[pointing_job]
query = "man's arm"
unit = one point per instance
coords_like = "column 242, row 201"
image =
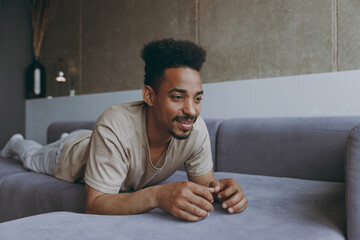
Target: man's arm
column 115, row 204
column 227, row 191
column 185, row 200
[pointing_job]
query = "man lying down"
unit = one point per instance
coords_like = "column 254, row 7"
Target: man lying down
column 136, row 145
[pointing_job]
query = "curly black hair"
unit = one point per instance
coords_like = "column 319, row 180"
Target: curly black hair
column 169, row 53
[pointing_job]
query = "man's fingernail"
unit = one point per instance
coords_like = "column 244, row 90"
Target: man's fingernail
column 231, row 210
column 224, row 205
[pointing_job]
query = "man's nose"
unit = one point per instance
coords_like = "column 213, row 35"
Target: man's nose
column 190, row 108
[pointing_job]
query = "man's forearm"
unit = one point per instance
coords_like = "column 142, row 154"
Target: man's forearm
column 123, row 203
column 204, row 180
column 182, row 199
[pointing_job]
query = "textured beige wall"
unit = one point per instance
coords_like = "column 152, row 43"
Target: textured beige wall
column 101, row 40
column 62, row 41
column 349, row 35
column 259, row 39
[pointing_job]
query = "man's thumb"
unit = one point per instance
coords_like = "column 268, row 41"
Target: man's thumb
column 216, row 185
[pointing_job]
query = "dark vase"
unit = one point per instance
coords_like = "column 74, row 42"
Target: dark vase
column 35, row 80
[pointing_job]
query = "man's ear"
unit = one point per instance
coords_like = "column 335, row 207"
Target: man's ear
column 148, row 95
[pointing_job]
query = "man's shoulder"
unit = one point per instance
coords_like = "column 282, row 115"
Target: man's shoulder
column 125, row 108
column 123, row 111
column 199, row 126
column 123, row 116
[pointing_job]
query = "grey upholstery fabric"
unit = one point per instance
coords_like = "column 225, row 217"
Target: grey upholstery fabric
column 24, row 193
column 213, row 127
column 353, row 184
column 55, row 129
column 307, row 148
column 278, row 208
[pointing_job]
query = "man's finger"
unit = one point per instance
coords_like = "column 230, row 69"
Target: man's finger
column 216, row 185
column 203, row 192
column 202, row 204
column 195, row 210
column 186, row 216
column 233, row 200
column 239, row 207
column 229, row 191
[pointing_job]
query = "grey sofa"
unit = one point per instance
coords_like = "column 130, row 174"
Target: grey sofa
column 301, row 176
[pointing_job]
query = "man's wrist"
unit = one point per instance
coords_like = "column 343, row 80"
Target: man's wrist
column 154, row 198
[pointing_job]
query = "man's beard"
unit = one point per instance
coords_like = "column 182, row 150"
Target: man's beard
column 180, row 137
column 185, row 134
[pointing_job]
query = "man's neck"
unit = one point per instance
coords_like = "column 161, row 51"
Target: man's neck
column 156, row 139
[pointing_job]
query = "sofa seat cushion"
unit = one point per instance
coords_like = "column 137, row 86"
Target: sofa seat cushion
column 9, row 167
column 24, row 193
column 278, row 208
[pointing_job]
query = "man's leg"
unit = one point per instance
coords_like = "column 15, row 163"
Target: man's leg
column 34, row 156
column 7, row 151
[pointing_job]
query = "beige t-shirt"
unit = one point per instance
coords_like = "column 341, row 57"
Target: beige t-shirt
column 118, row 156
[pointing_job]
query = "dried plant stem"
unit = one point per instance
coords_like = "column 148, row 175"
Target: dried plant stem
column 42, row 12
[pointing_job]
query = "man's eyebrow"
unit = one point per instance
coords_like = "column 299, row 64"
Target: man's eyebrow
column 179, row 90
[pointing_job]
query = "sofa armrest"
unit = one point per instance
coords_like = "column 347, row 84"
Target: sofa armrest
column 352, row 181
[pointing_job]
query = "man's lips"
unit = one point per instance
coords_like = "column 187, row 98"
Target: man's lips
column 185, row 123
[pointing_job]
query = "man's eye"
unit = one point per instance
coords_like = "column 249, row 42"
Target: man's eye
column 177, row 97
column 199, row 99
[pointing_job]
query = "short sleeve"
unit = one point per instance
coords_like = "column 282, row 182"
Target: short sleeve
column 107, row 164
column 200, row 161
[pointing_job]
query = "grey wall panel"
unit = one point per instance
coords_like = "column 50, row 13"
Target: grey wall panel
column 325, row 94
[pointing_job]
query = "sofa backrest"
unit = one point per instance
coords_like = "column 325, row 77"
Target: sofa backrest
column 307, row 147
column 213, row 126
column 55, row 129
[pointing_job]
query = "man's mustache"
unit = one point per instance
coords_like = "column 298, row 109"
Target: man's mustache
column 186, row 117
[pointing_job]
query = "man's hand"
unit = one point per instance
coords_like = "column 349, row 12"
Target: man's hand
column 230, row 194
column 186, row 200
